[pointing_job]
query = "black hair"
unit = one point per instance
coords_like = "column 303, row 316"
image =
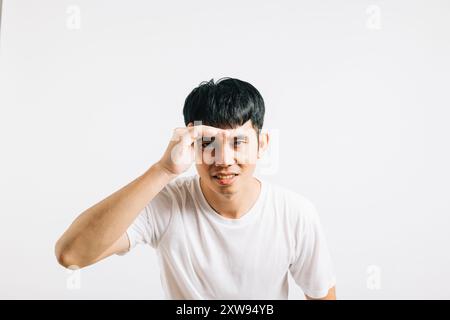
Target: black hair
column 227, row 103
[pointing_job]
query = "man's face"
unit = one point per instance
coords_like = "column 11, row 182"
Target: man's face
column 227, row 161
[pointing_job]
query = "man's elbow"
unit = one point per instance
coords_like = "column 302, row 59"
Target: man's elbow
column 67, row 258
column 67, row 261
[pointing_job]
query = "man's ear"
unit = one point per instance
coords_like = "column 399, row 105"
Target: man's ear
column 263, row 143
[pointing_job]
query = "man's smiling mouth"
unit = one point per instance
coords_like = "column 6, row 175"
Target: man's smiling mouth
column 225, row 179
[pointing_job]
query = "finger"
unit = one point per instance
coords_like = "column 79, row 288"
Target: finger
column 208, row 131
column 177, row 134
column 187, row 138
column 194, row 133
column 239, row 131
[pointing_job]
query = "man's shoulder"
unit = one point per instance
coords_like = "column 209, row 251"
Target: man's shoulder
column 182, row 184
column 287, row 193
column 293, row 202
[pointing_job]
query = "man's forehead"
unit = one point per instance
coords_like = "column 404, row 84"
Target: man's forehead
column 243, row 130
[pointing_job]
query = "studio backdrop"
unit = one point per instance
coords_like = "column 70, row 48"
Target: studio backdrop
column 357, row 105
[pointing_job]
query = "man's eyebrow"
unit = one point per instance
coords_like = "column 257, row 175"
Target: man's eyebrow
column 241, row 136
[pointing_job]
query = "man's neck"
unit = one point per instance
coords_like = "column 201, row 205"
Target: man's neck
column 235, row 205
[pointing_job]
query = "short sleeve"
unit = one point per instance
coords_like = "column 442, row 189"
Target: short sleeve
column 152, row 222
column 312, row 267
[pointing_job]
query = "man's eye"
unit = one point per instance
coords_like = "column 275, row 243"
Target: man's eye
column 205, row 144
column 239, row 142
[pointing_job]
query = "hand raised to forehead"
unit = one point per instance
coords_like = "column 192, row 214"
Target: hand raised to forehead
column 180, row 154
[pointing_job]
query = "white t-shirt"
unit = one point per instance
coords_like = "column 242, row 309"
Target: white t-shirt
column 204, row 255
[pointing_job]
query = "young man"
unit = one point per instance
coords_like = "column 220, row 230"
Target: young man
column 221, row 234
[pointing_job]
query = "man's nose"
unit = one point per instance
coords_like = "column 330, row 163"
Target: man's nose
column 224, row 155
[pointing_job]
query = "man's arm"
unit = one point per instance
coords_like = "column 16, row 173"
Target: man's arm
column 100, row 230
column 330, row 296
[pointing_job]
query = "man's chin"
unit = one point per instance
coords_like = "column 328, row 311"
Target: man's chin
column 224, row 189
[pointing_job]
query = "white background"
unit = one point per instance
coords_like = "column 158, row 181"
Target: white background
column 357, row 90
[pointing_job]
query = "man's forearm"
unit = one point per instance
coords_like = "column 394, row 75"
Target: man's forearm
column 97, row 228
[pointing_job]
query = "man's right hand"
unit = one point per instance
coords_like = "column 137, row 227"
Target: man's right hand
column 180, row 153
column 100, row 230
